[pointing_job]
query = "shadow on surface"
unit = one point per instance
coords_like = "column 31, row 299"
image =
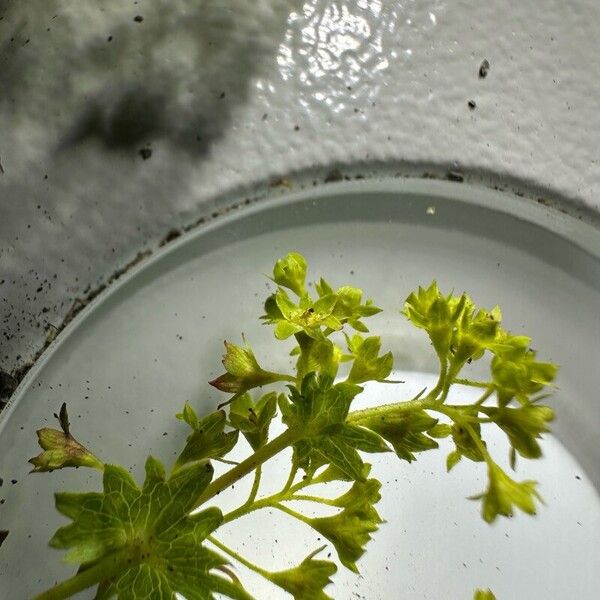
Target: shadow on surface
column 171, row 70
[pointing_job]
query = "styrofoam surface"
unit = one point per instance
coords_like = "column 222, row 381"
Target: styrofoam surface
column 227, row 93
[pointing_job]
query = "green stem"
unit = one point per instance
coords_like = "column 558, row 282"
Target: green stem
column 110, row 566
column 292, row 513
column 366, row 414
column 287, row 438
column 255, row 485
column 471, row 383
column 237, row 556
column 308, row 498
column 290, row 479
column 485, row 396
column 283, row 377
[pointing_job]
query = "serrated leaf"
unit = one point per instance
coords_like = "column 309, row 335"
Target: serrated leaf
column 363, row 439
column 308, row 580
column 208, row 440
column 405, row 431
column 151, row 528
column 339, row 453
column 503, row 493
column 318, row 410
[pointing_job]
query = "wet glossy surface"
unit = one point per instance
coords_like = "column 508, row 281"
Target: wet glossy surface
column 221, row 94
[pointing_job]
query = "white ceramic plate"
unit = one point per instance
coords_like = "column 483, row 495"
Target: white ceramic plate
column 126, row 365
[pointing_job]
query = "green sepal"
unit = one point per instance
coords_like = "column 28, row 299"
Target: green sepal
column 242, row 371
column 317, row 356
column 308, row 580
column 465, row 444
column 350, row 530
column 503, row 493
column 406, row 431
column 452, row 460
column 523, row 426
column 368, row 365
column 253, row 419
column 290, row 272
column 61, row 450
column 208, row 438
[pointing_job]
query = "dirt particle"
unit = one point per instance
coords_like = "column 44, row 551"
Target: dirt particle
column 455, row 176
column 333, row 176
column 109, row 38
column 138, row 18
column 296, row 127
column 471, row 104
column 173, row 234
column 145, row 153
column 484, row 68
column 3, row 535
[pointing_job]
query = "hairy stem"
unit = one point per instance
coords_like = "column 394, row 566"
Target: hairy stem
column 292, row 513
column 275, row 446
column 237, row 556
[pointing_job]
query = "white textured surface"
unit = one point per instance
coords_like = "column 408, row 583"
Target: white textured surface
column 305, row 85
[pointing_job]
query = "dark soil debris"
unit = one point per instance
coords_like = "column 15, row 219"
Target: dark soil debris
column 172, row 235
column 484, row 68
column 333, row 176
column 455, row 176
column 471, row 104
column 145, row 153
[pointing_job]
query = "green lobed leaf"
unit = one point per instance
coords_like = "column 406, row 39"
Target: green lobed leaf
column 152, row 526
column 208, row 439
column 319, row 410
